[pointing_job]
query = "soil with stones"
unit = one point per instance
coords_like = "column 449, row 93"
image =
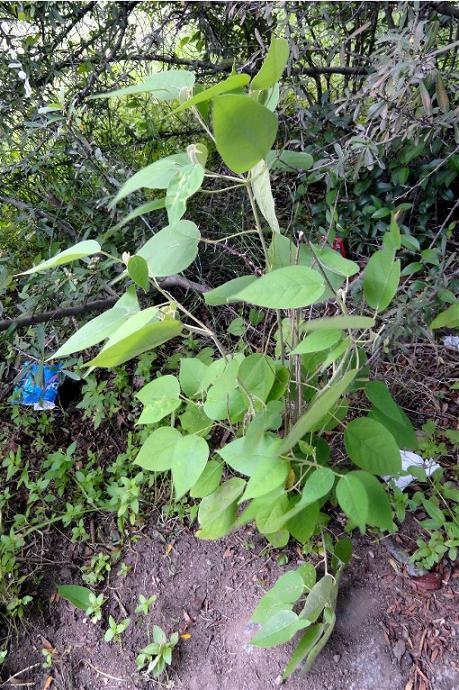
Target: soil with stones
column 393, row 632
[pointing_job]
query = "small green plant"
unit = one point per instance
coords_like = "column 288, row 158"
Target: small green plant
column 145, row 604
column 156, row 656
column 3, row 655
column 48, row 657
column 97, row 570
column 115, row 630
column 94, row 610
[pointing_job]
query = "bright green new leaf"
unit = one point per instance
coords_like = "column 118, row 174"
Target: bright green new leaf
column 273, row 65
column 79, row 251
column 102, row 326
column 380, row 279
column 287, row 589
column 353, row 499
column 448, row 318
column 317, row 410
column 290, row 287
column 208, row 481
column 261, row 187
column 137, row 269
column 172, row 249
column 342, row 322
column 372, row 447
column 316, row 342
column 289, row 161
column 186, row 182
column 224, row 294
column 244, row 131
column 160, row 397
column 164, row 86
column 192, row 376
column 76, row 595
column 379, row 510
column 232, row 83
column 132, row 339
column 157, row 175
column 186, row 456
column 278, row 629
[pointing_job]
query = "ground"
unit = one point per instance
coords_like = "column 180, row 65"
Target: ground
column 392, row 632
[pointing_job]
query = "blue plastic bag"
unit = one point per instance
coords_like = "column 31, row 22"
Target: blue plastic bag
column 39, row 387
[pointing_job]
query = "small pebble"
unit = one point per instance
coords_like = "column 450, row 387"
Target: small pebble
column 337, row 658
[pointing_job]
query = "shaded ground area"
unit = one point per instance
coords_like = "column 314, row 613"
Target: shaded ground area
column 391, row 634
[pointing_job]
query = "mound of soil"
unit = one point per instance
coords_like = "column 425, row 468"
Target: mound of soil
column 390, row 634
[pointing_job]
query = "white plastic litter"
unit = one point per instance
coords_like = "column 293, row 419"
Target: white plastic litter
column 451, row 341
column 408, row 460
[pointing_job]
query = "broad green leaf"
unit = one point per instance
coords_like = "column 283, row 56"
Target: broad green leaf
column 194, row 420
column 191, row 376
column 334, row 262
column 160, row 397
column 372, row 447
column 343, row 550
column 302, row 525
column 256, row 376
column 139, row 211
column 342, row 322
column 76, row 595
column 289, row 161
column 79, row 251
column 448, row 318
column 102, row 326
column 270, row 417
column 380, row 279
column 208, row 481
column 316, row 342
column 278, row 629
column 261, row 187
column 137, row 269
column 317, row 410
column 379, row 510
column 388, row 413
column 186, row 182
column 323, row 594
column 302, row 649
column 308, row 574
column 224, row 294
column 246, row 458
column 244, row 131
column 270, row 473
column 157, row 175
column 285, row 288
column 326, row 631
column 164, row 86
column 186, row 456
column 129, row 341
column 353, row 499
column 273, row 65
column 217, row 512
column 224, row 400
column 172, row 249
column 232, row 83
column 381, row 213
column 287, row 589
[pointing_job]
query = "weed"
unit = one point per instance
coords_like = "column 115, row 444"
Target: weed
column 115, row 630
column 157, row 655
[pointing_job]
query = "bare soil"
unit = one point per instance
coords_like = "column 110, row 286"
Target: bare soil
column 390, row 635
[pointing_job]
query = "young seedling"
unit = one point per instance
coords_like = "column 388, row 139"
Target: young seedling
column 157, row 655
column 94, row 609
column 115, row 629
column 145, row 604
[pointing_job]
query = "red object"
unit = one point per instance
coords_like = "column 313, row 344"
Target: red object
column 337, row 245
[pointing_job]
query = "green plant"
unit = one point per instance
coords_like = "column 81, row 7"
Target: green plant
column 97, row 570
column 157, row 655
column 145, row 604
column 273, row 401
column 115, row 630
column 94, row 610
column 48, row 657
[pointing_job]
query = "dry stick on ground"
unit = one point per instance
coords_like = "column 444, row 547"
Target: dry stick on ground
column 97, row 305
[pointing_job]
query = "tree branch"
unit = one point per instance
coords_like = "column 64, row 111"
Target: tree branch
column 446, row 8
column 23, row 206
